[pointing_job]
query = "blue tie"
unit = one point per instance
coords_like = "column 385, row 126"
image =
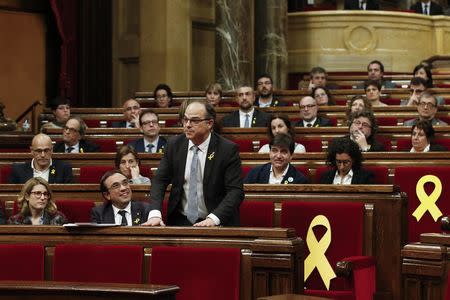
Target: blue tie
column 192, row 203
column 247, row 121
column 149, row 148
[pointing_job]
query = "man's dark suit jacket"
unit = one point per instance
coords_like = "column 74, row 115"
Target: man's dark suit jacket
column 354, row 5
column 104, row 214
column 360, row 176
column 119, row 124
column 275, row 102
column 60, row 172
column 260, row 119
column 437, row 147
column 435, row 9
column 138, row 145
column 320, row 122
column 85, row 146
column 222, row 182
column 261, row 174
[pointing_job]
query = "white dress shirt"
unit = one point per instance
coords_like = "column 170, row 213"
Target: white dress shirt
column 305, row 123
column 346, row 180
column 363, row 3
column 428, row 6
column 76, row 148
column 118, row 217
column 43, row 174
column 154, row 143
column 427, row 149
column 273, row 179
column 242, row 118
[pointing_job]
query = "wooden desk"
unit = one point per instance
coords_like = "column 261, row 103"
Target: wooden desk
column 43, row 290
column 271, row 258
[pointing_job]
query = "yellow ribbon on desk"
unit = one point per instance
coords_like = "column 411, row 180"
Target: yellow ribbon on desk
column 317, row 249
column 428, row 202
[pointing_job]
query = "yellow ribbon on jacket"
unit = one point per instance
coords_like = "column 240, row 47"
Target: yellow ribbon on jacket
column 428, row 202
column 317, row 249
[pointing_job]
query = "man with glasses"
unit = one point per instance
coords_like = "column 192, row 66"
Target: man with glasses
column 42, row 165
column 264, row 87
column 363, row 129
column 118, row 208
column 204, row 170
column 151, row 142
column 308, row 114
column 427, row 109
column 72, row 138
column 417, row 87
column 131, row 111
column 247, row 116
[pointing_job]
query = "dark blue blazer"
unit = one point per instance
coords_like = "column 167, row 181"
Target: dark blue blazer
column 261, row 174
column 60, row 172
column 320, row 122
column 60, row 147
column 104, row 214
column 354, row 5
column 138, row 145
column 360, row 176
column 260, row 119
column 119, row 124
column 275, row 102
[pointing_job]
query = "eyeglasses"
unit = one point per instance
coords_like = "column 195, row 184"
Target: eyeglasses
column 193, row 121
column 363, row 124
column 161, row 97
column 70, row 129
column 343, row 162
column 130, row 108
column 425, row 104
column 39, row 194
column 150, row 122
column 117, row 185
column 416, row 91
column 309, row 106
column 39, row 151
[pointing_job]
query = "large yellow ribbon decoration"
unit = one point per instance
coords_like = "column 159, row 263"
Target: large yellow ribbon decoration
column 317, row 249
column 428, row 202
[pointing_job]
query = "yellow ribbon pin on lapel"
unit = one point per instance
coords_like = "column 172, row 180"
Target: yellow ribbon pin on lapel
column 428, row 202
column 317, row 249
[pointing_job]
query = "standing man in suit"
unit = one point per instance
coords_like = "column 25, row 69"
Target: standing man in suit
column 247, row 116
column 427, row 7
column 151, row 142
column 73, row 142
column 131, row 111
column 264, row 87
column 205, row 172
column 308, row 114
column 361, row 5
column 118, row 209
column 42, row 165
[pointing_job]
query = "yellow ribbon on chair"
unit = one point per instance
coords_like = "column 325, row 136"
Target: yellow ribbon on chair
column 317, row 249
column 428, row 202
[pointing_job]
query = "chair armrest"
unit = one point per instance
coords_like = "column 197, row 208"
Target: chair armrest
column 346, row 266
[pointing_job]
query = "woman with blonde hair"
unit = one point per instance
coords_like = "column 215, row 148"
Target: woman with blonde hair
column 36, row 205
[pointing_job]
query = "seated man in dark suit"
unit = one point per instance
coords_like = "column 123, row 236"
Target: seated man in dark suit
column 427, row 109
column 151, row 142
column 131, row 111
column 361, row 5
column 118, row 208
column 247, row 116
column 427, row 7
column 308, row 114
column 73, row 141
column 346, row 160
column 42, row 165
column 264, row 87
column 279, row 170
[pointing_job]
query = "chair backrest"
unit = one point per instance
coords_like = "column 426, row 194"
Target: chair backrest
column 201, row 273
column 345, row 240
column 76, row 210
column 387, row 121
column 245, row 170
column 404, row 145
column 5, row 173
column 21, row 262
column 412, row 181
column 98, row 263
column 93, row 174
column 311, row 145
column 256, row 213
column 106, row 145
column 244, row 145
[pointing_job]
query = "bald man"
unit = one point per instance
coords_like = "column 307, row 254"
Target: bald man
column 42, row 165
column 308, row 114
column 131, row 111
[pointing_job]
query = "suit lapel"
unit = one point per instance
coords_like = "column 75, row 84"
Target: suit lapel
column 210, row 159
column 181, row 155
column 108, row 214
column 136, row 218
column 52, row 174
column 255, row 115
column 140, row 145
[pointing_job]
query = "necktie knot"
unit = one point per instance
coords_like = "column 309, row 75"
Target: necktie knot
column 309, row 125
column 150, row 147
column 123, row 213
column 70, row 149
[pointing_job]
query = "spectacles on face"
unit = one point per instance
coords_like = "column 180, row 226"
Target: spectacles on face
column 343, row 162
column 70, row 129
column 150, row 122
column 363, row 124
column 417, row 91
column 160, row 97
column 117, row 185
column 39, row 151
column 39, row 194
column 193, row 121
column 427, row 104
column 308, row 106
column 130, row 108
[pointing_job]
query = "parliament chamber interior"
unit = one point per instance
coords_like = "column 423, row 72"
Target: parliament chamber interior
column 84, row 82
